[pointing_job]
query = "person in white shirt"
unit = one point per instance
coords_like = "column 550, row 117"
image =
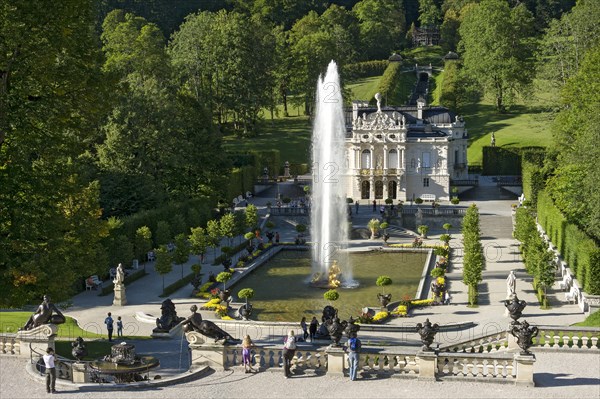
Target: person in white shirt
column 50, row 370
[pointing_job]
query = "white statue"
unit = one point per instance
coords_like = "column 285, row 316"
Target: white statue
column 511, row 284
column 119, row 275
column 378, row 98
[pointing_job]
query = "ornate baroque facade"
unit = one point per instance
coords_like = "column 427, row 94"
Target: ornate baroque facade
column 404, row 152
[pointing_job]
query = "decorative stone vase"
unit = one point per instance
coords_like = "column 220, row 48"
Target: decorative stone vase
column 384, row 299
column 336, row 329
column 224, row 295
column 515, row 307
column 427, row 332
column 524, row 334
column 79, row 350
column 245, row 311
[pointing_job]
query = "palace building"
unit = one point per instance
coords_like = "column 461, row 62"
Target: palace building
column 404, row 153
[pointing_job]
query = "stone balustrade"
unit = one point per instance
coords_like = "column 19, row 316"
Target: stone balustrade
column 567, row 338
column 474, row 365
column 486, row 343
column 9, row 345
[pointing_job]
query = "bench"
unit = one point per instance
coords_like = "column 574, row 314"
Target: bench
column 92, row 282
column 428, row 197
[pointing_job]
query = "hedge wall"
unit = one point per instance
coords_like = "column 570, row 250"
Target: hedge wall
column 532, row 161
column 577, row 248
column 364, row 69
column 501, row 161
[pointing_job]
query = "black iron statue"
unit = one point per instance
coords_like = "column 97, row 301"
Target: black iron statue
column 245, row 311
column 336, row 328
column 438, row 290
column 205, row 327
column 352, row 328
column 168, row 318
column 79, row 350
column 515, row 307
column 46, row 313
column 524, row 334
column 427, row 332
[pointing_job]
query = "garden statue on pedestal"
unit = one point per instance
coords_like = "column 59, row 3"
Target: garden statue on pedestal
column 511, row 284
column 168, row 318
column 194, row 323
column 336, row 328
column 79, row 350
column 119, row 287
column 46, row 313
column 427, row 332
column 352, row 328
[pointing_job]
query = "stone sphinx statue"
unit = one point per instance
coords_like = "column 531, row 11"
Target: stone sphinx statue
column 168, row 318
column 46, row 313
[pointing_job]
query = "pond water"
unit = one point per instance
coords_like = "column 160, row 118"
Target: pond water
column 282, row 292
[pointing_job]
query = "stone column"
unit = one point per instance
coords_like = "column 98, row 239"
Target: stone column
column 525, row 370
column 385, row 157
column 427, row 362
column 336, row 362
column 120, row 298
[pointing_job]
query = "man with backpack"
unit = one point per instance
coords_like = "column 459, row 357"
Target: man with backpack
column 109, row 326
column 289, row 350
column 353, row 348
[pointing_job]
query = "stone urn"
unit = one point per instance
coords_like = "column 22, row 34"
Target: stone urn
column 515, row 307
column 336, row 329
column 427, row 332
column 524, row 334
column 245, row 311
column 224, row 295
column 384, row 300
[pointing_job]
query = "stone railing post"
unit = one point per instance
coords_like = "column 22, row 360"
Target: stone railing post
column 335, row 361
column 35, row 341
column 427, row 362
column 206, row 354
column 80, row 375
column 525, row 370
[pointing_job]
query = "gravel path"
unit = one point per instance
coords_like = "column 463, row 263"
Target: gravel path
column 558, row 375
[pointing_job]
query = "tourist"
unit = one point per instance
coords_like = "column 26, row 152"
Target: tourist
column 447, row 298
column 109, row 326
column 304, row 328
column 119, row 327
column 289, row 350
column 50, row 370
column 356, row 207
column 314, row 325
column 276, row 237
column 374, row 206
column 247, row 344
column 382, row 210
column 353, row 349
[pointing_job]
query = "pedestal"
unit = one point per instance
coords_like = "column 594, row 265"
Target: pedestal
column 335, row 361
column 120, row 298
column 525, row 370
column 79, row 373
column 211, row 355
column 34, row 342
column 427, row 362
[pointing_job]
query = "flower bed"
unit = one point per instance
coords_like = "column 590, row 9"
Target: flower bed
column 380, row 317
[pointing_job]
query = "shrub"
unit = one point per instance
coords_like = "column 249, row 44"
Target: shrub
column 349, row 200
column 224, row 277
column 437, row 272
column 246, row 293
column 331, row 295
column 455, row 201
column 169, row 289
column 300, row 228
column 418, row 201
column 423, row 229
column 382, row 281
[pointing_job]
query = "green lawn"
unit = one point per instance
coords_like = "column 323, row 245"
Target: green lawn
column 592, row 320
column 11, row 321
column 424, row 56
column 364, row 89
column 522, row 126
column 96, row 349
column 291, row 136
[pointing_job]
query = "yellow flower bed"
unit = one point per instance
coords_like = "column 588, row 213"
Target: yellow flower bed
column 401, row 310
column 441, row 280
column 213, row 304
column 379, row 316
column 421, row 302
column 226, row 318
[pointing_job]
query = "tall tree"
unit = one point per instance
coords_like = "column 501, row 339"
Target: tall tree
column 51, row 99
column 429, row 13
column 382, row 27
column 496, row 48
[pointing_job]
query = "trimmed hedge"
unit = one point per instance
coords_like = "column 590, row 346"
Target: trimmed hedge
column 364, row 69
column 577, row 248
column 532, row 161
column 507, row 160
column 128, row 280
column 169, row 289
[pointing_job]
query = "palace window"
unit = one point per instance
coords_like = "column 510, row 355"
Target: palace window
column 426, row 182
column 426, row 160
column 365, row 159
column 393, row 159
